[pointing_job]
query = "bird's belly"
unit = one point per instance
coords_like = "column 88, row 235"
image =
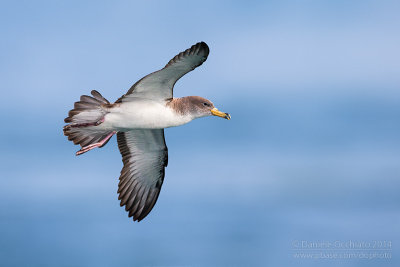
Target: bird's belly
column 143, row 116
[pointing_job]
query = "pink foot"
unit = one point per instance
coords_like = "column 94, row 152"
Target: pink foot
column 98, row 144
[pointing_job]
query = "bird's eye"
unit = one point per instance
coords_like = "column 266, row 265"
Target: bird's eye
column 206, row 104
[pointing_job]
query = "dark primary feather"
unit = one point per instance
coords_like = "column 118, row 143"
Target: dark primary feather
column 145, row 157
column 159, row 85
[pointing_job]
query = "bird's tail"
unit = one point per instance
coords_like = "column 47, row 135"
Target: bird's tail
column 83, row 120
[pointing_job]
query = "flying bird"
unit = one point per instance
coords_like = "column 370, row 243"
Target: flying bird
column 138, row 118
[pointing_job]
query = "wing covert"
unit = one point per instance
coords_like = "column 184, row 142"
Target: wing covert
column 159, row 85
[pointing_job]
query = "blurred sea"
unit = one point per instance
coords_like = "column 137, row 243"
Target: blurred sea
column 236, row 193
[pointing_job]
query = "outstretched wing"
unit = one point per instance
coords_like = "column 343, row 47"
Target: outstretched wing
column 159, row 85
column 145, row 157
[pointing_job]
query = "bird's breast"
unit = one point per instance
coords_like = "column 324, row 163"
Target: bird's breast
column 144, row 115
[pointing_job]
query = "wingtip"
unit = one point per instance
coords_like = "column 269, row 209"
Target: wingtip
column 136, row 218
column 204, row 46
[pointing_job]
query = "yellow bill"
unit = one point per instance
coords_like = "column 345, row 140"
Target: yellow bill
column 221, row 114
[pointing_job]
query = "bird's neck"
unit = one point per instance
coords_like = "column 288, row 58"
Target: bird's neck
column 181, row 105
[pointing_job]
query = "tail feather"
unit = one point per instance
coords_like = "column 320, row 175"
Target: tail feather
column 83, row 119
column 87, row 103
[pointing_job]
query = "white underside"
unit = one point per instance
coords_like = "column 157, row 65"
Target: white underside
column 142, row 114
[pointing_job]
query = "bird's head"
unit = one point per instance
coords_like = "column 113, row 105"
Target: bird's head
column 201, row 107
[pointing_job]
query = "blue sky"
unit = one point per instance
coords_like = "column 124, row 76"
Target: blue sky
column 311, row 152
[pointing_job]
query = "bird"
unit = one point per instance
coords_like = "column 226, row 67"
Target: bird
column 138, row 119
